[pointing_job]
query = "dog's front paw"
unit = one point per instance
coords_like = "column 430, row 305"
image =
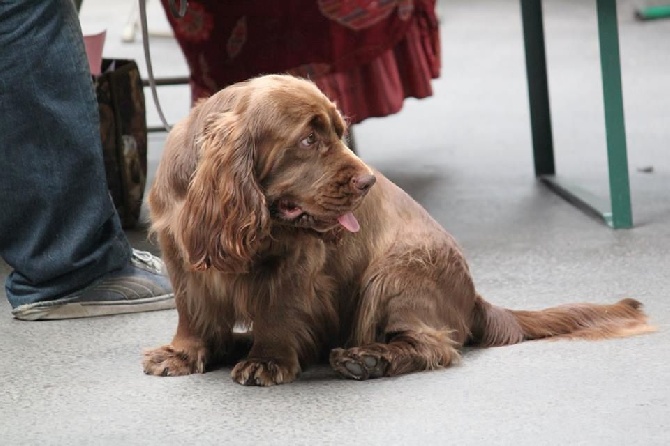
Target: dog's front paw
column 170, row 361
column 263, row 372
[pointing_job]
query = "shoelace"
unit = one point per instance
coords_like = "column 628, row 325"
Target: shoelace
column 144, row 259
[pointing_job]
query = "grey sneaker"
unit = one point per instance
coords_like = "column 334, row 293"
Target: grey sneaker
column 139, row 286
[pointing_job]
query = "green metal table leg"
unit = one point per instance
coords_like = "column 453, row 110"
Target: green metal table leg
column 538, row 90
column 614, row 117
column 617, row 213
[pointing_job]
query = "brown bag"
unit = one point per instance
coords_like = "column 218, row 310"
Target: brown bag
column 123, row 129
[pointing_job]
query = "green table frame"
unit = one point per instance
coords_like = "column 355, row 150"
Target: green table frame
column 617, row 212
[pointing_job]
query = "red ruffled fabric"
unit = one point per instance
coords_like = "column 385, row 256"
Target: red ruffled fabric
column 368, row 56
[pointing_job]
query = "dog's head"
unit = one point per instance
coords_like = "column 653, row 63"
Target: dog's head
column 270, row 152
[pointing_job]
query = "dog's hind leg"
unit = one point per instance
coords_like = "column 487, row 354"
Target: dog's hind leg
column 405, row 352
column 412, row 317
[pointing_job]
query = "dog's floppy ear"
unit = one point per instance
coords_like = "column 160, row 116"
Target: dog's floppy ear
column 225, row 217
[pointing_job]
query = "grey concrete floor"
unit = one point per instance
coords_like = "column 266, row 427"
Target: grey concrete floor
column 465, row 154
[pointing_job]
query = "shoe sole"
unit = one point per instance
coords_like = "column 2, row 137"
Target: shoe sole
column 77, row 310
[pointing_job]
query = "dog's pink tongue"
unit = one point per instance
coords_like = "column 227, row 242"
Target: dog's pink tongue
column 349, row 222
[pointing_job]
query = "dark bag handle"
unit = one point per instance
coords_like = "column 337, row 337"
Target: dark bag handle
column 181, row 12
column 178, row 13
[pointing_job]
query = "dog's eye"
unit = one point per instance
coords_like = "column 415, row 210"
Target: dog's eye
column 309, row 141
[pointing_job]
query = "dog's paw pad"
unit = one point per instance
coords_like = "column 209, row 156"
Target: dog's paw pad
column 354, row 367
column 370, row 361
column 358, row 363
column 167, row 361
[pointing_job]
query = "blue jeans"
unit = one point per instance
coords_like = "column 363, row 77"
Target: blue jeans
column 59, row 230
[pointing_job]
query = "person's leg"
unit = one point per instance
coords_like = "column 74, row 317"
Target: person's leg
column 58, row 227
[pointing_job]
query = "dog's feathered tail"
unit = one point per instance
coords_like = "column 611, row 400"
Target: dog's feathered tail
column 495, row 326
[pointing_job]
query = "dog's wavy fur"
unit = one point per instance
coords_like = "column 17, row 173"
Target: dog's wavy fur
column 252, row 206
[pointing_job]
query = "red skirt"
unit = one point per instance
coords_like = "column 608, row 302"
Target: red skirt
column 367, row 56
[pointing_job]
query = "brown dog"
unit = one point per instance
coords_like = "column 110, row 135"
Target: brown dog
column 265, row 218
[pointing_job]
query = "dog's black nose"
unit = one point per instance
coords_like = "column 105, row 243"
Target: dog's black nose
column 363, row 182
